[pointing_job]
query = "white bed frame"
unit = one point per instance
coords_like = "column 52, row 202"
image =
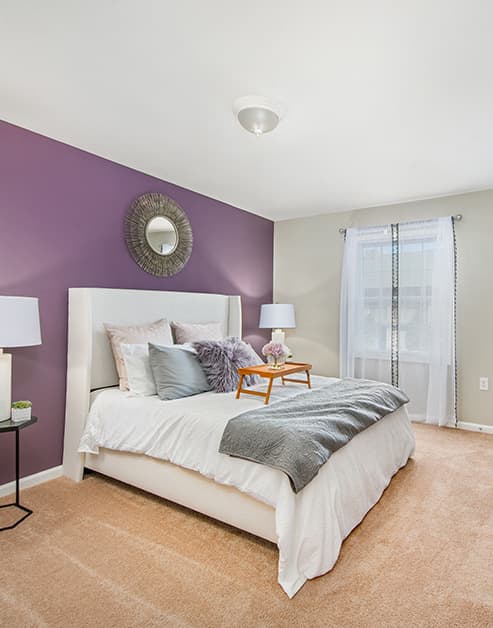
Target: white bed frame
column 90, row 366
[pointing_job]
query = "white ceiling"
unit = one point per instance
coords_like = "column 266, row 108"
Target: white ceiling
column 386, row 100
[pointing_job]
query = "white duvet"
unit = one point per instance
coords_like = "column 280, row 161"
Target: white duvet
column 310, row 525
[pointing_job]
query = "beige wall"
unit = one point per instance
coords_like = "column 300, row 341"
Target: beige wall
column 307, row 266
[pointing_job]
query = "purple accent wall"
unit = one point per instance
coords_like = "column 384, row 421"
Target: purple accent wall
column 61, row 226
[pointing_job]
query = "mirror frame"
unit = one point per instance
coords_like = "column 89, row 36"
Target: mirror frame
column 142, row 210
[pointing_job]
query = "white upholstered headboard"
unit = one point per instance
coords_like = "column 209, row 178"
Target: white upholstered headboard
column 90, row 362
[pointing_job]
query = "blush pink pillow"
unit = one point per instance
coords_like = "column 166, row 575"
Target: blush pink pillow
column 158, row 332
column 194, row 332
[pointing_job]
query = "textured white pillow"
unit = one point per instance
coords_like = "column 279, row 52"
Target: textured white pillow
column 194, row 332
column 139, row 374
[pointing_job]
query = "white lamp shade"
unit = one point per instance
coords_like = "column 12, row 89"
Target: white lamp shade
column 277, row 316
column 19, row 322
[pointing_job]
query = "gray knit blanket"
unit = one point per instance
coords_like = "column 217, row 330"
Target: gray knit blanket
column 298, row 435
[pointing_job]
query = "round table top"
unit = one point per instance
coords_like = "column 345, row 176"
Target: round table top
column 12, row 426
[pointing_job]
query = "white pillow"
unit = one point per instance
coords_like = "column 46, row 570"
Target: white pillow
column 139, row 374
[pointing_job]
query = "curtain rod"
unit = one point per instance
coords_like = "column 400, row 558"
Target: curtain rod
column 456, row 218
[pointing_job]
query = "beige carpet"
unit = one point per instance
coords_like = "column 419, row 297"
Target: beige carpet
column 102, row 554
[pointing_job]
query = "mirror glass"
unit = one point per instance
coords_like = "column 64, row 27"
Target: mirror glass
column 161, row 235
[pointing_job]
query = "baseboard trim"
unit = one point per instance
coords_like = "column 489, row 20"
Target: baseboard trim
column 32, row 480
column 475, row 427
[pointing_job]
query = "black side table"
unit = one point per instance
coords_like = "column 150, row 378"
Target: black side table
column 11, row 426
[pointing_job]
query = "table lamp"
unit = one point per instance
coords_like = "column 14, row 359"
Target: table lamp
column 277, row 316
column 19, row 327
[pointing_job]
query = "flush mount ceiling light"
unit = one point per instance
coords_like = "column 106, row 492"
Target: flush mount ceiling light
column 256, row 114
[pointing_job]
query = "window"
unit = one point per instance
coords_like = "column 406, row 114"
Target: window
column 419, row 356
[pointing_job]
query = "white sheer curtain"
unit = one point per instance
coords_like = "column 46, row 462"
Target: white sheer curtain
column 366, row 299
column 422, row 353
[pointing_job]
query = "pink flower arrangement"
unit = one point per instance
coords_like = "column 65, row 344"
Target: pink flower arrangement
column 276, row 350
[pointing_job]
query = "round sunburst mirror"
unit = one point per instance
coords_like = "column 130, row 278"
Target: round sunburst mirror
column 158, row 234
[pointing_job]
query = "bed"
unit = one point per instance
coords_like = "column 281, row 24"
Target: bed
column 186, row 468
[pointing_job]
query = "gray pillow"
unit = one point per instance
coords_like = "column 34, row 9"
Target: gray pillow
column 221, row 359
column 176, row 372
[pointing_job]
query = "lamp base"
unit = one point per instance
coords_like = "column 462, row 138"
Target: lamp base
column 278, row 336
column 5, row 385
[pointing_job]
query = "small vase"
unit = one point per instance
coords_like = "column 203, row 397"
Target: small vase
column 275, row 363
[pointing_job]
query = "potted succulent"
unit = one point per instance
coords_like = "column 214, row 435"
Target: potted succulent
column 21, row 410
column 276, row 354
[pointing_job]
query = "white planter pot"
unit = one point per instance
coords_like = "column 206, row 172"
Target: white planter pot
column 20, row 414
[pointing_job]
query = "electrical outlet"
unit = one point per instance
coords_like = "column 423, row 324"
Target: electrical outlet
column 483, row 383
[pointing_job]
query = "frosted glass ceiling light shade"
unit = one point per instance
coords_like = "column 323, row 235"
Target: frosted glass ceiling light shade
column 256, row 114
column 258, row 120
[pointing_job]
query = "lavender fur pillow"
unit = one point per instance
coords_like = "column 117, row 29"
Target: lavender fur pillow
column 221, row 359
